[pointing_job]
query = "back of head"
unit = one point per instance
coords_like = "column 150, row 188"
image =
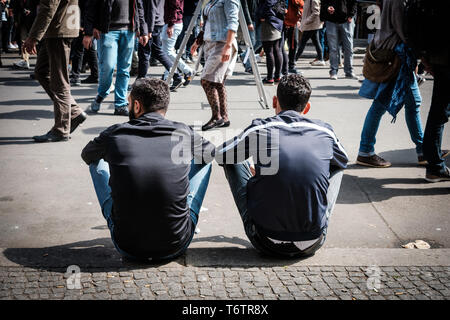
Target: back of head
column 152, row 93
column 293, row 92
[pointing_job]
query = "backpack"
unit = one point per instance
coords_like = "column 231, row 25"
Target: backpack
column 424, row 21
column 280, row 9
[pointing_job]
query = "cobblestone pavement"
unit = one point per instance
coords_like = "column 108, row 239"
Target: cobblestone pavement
column 299, row 283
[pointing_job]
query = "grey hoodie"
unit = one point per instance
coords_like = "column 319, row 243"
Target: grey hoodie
column 154, row 13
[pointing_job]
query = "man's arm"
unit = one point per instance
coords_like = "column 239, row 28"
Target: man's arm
column 151, row 14
column 96, row 149
column 143, row 29
column 47, row 10
column 90, row 16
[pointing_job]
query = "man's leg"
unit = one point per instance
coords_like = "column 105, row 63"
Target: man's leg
column 100, row 178
column 346, row 31
column 144, row 57
column 370, row 128
column 77, row 57
column 159, row 54
column 413, row 101
column 168, row 46
column 437, row 117
column 107, row 53
column 333, row 45
column 124, row 57
column 332, row 194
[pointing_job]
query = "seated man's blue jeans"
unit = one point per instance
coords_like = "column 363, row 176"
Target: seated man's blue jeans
column 198, row 183
column 373, row 118
column 115, row 48
column 238, row 176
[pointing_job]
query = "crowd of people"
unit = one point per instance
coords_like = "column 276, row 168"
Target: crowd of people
column 132, row 164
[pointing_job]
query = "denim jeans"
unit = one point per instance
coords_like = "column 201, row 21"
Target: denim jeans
column 198, row 183
column 373, row 118
column 314, row 36
column 340, row 33
column 168, row 46
column 115, row 48
column 437, row 117
column 238, row 176
column 248, row 64
column 153, row 47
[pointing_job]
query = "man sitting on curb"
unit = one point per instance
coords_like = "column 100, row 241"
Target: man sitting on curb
column 285, row 202
column 150, row 192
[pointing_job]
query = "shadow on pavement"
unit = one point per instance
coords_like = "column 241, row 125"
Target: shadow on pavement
column 16, row 140
column 27, row 114
column 100, row 255
column 220, row 238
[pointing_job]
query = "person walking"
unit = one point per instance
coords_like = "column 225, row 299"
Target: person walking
column 55, row 26
column 154, row 15
column 401, row 90
column 79, row 54
column 221, row 22
column 339, row 21
column 271, row 21
column 291, row 24
column 173, row 19
column 310, row 27
column 114, row 24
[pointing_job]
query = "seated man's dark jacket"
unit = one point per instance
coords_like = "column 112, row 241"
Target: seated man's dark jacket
column 149, row 191
column 287, row 201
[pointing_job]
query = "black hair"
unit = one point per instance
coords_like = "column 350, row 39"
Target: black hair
column 152, row 93
column 293, row 92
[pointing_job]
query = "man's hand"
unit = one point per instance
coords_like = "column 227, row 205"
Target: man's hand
column 349, row 19
column 87, row 42
column 331, row 10
column 194, row 48
column 30, row 46
column 252, row 170
column 226, row 53
column 170, row 31
column 251, row 27
column 96, row 33
column 149, row 35
column 143, row 40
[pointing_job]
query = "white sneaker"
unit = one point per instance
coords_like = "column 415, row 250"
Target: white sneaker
column 15, row 46
column 318, row 63
column 333, row 76
column 22, row 64
column 11, row 46
column 258, row 58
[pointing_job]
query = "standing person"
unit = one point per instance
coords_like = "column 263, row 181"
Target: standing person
column 286, row 201
column 3, row 21
column 24, row 15
column 436, row 59
column 79, row 53
column 339, row 21
column 249, row 8
column 150, row 200
column 114, row 24
column 291, row 23
column 154, row 15
column 401, row 90
column 173, row 19
column 271, row 28
column 188, row 13
column 55, row 26
column 221, row 22
column 310, row 27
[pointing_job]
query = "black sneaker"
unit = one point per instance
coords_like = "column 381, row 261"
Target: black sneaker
column 187, row 79
column 89, row 79
column 373, row 161
column 50, row 137
column 121, row 111
column 77, row 121
column 439, row 176
column 422, row 162
column 176, row 84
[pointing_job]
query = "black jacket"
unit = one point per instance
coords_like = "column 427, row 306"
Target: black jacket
column 343, row 9
column 149, row 188
column 250, row 7
column 98, row 16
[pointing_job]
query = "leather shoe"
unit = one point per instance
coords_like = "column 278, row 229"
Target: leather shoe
column 213, row 123
column 50, row 137
column 77, row 121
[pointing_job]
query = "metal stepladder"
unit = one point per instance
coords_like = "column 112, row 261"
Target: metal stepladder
column 248, row 43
